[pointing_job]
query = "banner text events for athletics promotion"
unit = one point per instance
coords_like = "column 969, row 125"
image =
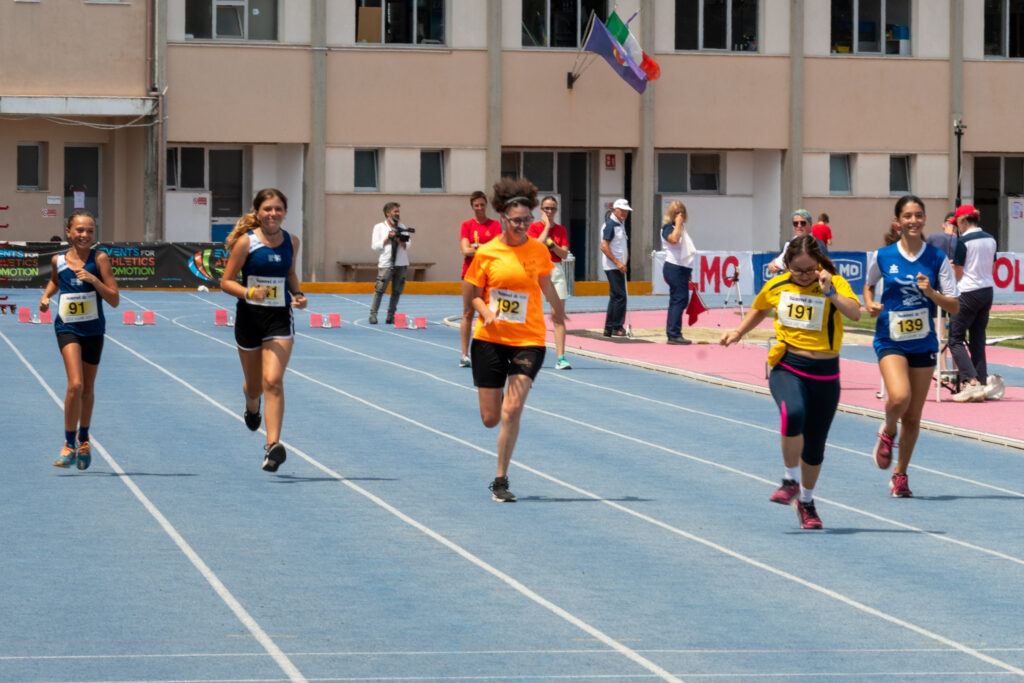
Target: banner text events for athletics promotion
column 135, row 264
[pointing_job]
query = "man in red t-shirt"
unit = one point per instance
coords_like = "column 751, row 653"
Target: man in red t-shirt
column 556, row 238
column 821, row 229
column 476, row 231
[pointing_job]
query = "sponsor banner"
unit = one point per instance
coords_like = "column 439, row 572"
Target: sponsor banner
column 714, row 272
column 1008, row 275
column 135, row 264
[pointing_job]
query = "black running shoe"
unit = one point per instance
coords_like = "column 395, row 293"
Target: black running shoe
column 252, row 420
column 275, row 456
column 500, row 492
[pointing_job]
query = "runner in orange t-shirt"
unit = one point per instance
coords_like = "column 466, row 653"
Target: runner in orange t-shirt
column 476, row 231
column 503, row 285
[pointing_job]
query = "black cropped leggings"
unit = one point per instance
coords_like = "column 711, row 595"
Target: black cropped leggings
column 807, row 393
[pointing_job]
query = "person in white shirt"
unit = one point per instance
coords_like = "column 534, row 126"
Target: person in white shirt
column 973, row 261
column 614, row 256
column 391, row 239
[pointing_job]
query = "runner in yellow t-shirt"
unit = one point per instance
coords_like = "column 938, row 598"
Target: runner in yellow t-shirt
column 808, row 299
column 504, row 284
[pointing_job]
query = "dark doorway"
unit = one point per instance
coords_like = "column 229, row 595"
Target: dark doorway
column 987, row 192
column 573, row 186
column 82, row 176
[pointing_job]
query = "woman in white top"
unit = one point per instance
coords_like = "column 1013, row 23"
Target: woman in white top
column 677, row 269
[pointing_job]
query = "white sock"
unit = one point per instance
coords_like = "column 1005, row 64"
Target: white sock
column 793, row 473
column 806, row 495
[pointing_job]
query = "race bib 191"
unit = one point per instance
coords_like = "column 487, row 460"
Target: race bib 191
column 802, row 311
column 908, row 325
column 509, row 306
column 275, row 295
column 78, row 307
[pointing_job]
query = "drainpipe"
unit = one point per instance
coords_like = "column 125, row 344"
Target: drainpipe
column 793, row 164
column 315, row 162
column 494, row 49
column 155, row 157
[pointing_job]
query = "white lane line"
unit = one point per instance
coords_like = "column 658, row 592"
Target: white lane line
column 675, row 452
column 218, row 586
column 497, row 573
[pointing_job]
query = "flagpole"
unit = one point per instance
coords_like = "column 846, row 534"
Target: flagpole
column 574, row 75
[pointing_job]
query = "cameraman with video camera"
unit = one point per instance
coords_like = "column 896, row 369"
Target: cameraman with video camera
column 391, row 239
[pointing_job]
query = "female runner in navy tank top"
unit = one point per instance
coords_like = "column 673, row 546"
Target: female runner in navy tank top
column 84, row 279
column 263, row 253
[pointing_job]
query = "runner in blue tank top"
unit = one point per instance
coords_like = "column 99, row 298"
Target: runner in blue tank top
column 905, row 340
column 264, row 254
column 84, row 279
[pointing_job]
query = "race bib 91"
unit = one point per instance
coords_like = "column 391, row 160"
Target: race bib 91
column 802, row 311
column 509, row 306
column 275, row 297
column 908, row 325
column 78, row 307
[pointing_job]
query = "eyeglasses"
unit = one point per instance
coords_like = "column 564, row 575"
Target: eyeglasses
column 549, row 208
column 799, row 222
column 519, row 222
column 806, row 271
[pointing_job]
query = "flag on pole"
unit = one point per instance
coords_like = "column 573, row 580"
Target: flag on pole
column 601, row 42
column 622, row 34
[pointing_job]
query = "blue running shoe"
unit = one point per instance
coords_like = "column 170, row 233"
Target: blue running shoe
column 68, row 456
column 84, row 455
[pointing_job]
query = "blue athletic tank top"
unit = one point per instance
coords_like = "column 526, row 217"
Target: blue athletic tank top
column 266, row 265
column 79, row 305
column 908, row 320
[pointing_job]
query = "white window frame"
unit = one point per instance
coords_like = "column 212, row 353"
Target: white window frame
column 1004, row 38
column 174, row 184
column 40, row 184
column 246, row 12
column 580, row 27
column 442, row 157
column 689, row 154
column 376, row 172
column 908, row 165
column 848, row 158
column 728, row 29
column 882, row 21
column 415, row 23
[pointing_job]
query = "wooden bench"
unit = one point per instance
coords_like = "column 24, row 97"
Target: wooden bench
column 367, row 272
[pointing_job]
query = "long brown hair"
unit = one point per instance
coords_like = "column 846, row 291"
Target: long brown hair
column 249, row 221
column 808, row 244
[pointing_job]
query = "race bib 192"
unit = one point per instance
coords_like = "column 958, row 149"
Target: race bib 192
column 509, row 306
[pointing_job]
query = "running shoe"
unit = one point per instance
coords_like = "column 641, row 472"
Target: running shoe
column 679, row 340
column 970, row 393
column 562, row 364
column 68, row 456
column 390, row 319
column 994, row 388
column 275, row 456
column 787, row 493
column 899, row 487
column 373, row 318
column 465, row 362
column 252, row 420
column 808, row 515
column 500, row 492
column 84, row 455
column 883, row 449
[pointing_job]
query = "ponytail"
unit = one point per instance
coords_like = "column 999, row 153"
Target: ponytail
column 246, row 223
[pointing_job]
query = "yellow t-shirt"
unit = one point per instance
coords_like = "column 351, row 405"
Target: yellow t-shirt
column 804, row 317
column 508, row 276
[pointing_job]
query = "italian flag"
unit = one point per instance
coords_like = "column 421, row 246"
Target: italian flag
column 621, row 33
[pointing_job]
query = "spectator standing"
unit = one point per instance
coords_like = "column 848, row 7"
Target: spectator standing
column 821, row 230
column 391, row 239
column 476, row 231
column 677, row 270
column 614, row 257
column 556, row 238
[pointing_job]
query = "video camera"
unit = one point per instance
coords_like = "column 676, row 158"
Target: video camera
column 401, row 232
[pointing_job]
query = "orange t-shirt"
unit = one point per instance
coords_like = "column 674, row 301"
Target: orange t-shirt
column 508, row 276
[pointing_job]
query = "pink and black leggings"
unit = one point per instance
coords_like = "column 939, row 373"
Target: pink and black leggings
column 807, row 393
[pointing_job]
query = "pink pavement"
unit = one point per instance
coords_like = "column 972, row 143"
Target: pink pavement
column 1000, row 421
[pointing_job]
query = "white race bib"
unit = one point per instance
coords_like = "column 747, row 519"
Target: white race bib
column 802, row 311
column 509, row 306
column 78, row 307
column 908, row 325
column 275, row 297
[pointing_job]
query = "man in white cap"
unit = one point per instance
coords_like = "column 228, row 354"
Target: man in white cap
column 614, row 256
column 973, row 262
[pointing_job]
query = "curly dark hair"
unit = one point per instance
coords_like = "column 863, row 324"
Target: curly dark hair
column 511, row 191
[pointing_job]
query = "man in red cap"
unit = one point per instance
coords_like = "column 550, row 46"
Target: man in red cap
column 972, row 264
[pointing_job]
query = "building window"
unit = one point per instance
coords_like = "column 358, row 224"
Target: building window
column 432, row 171
column 899, row 175
column 538, row 167
column 1004, row 28
column 839, row 174
column 231, row 19
column 716, row 25
column 871, row 27
column 366, row 170
column 558, row 23
column 31, row 165
column 681, row 172
column 220, row 171
column 411, row 22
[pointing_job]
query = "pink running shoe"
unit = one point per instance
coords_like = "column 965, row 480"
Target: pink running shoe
column 883, row 449
column 899, row 488
column 808, row 515
column 787, row 493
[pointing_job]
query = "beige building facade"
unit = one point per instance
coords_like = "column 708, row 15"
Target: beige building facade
column 164, row 116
